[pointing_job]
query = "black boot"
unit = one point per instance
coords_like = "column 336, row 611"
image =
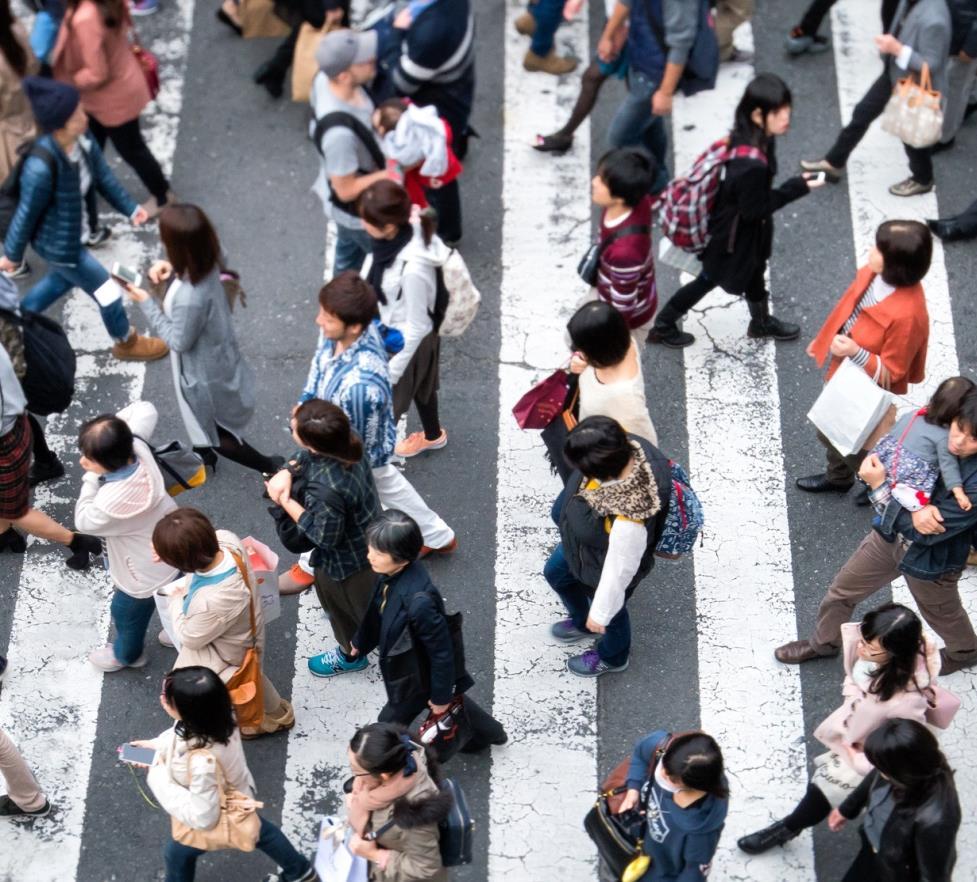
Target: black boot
column 83, row 548
column 46, row 470
column 666, row 331
column 762, row 324
column 269, row 76
column 12, row 541
column 763, row 840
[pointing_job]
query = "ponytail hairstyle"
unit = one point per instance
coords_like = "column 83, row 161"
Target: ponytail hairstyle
column 767, row 93
column 323, row 426
column 695, row 759
column 387, row 748
column 900, row 633
column 386, row 202
column 909, row 756
column 10, row 46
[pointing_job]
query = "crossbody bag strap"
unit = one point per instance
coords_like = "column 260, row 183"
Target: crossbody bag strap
column 243, row 570
column 348, row 121
column 629, row 230
column 902, row 438
column 660, row 749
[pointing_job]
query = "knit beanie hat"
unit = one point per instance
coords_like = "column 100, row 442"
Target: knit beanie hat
column 52, row 102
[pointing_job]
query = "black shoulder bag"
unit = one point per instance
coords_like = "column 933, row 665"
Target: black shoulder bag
column 590, row 262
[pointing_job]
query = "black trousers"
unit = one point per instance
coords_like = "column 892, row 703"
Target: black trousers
column 281, row 61
column 128, row 140
column 865, row 113
column 485, row 728
column 819, row 9
column 446, row 201
column 689, row 295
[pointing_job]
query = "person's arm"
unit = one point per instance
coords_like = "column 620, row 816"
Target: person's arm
column 934, row 859
column 88, row 34
column 420, row 859
column 641, row 757
column 197, row 806
column 311, row 388
column 367, row 636
column 364, row 405
column 700, row 848
column 617, row 20
column 949, row 465
column 931, row 47
column 416, row 291
column 349, row 187
column 627, row 544
column 855, row 801
column 323, row 519
column 431, row 629
column 108, row 184
column 203, row 625
column 182, row 328
column 36, row 194
column 755, row 198
column 945, row 509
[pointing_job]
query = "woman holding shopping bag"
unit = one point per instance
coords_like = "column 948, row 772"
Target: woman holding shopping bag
column 890, row 671
column 199, row 759
column 214, row 611
column 882, row 325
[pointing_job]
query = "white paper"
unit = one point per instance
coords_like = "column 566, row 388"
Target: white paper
column 334, row 862
column 108, row 293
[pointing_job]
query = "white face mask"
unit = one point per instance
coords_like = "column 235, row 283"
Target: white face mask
column 663, row 782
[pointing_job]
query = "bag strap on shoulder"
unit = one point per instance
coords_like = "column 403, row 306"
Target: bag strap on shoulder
column 629, row 230
column 243, row 570
column 348, row 121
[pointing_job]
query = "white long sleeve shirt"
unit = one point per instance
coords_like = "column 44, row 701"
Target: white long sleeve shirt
column 627, row 544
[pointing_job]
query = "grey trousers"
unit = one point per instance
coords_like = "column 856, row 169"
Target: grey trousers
column 961, row 76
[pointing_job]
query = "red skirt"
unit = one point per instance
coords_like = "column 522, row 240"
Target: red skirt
column 15, row 467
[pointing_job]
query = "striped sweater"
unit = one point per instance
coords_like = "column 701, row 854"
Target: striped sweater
column 626, row 274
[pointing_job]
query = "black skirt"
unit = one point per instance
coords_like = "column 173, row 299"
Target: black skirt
column 422, row 378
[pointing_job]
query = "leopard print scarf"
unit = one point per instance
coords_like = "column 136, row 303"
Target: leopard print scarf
column 636, row 497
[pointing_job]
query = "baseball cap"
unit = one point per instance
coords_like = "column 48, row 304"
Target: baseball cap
column 340, row 50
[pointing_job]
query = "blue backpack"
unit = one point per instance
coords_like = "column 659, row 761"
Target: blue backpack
column 684, row 520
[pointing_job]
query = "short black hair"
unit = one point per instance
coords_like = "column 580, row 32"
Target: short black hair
column 600, row 332
column 907, row 249
column 350, row 298
column 203, row 702
column 186, row 540
column 908, row 754
column 943, row 407
column 599, row 448
column 107, row 440
column 395, row 533
column 967, row 417
column 628, row 173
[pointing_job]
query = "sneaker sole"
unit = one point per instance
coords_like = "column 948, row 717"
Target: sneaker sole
column 617, row 670
column 337, row 673
column 569, row 640
column 433, row 446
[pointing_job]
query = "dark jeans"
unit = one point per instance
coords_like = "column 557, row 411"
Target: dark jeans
column 352, row 247
column 548, row 15
column 689, row 295
column 614, row 645
column 819, row 9
column 634, row 125
column 131, row 616
column 486, row 729
column 181, row 860
column 865, row 113
column 128, row 140
column 446, row 201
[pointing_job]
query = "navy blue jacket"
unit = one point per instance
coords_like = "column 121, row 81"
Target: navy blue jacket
column 413, row 639
column 929, row 557
column 49, row 216
column 678, row 22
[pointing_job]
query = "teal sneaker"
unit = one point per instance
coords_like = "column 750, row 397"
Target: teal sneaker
column 333, row 662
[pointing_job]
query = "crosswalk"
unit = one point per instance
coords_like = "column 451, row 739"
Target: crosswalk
column 734, row 397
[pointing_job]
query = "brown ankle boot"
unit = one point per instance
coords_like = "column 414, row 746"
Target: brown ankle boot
column 139, row 348
column 551, row 64
column 526, row 24
column 280, row 721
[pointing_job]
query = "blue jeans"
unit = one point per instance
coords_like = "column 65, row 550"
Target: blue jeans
column 181, row 860
column 548, row 15
column 352, row 247
column 89, row 275
column 131, row 616
column 615, row 644
column 634, row 125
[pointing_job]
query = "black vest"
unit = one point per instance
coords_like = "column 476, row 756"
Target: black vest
column 583, row 534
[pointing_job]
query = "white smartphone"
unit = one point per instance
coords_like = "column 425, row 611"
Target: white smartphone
column 140, row 756
column 820, row 177
column 127, row 275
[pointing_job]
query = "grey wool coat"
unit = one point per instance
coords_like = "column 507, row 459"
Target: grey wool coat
column 215, row 380
column 927, row 27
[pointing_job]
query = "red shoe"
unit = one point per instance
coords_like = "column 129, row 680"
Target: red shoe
column 444, row 549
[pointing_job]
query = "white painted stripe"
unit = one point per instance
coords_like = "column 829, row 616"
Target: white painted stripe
column 878, row 162
column 743, row 576
column 544, row 782
column 51, row 696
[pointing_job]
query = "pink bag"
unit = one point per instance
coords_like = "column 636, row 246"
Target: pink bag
column 942, row 707
column 541, row 404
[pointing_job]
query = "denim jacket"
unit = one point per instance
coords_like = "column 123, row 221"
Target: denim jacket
column 49, row 214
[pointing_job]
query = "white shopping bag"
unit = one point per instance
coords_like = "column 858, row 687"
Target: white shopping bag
column 264, row 565
column 163, row 599
column 334, row 862
column 849, row 408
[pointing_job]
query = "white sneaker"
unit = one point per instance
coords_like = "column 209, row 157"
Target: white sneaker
column 104, row 659
column 164, row 638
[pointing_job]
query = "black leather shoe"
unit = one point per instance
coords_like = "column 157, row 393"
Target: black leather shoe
column 670, row 336
column 771, row 326
column 820, row 484
column 940, row 146
column 949, row 230
column 268, row 76
column 763, row 840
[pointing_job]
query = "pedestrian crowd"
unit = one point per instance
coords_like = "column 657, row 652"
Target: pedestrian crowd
column 391, row 106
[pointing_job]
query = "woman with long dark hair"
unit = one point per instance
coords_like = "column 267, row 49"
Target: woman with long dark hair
column 741, row 221
column 889, row 667
column 404, row 272
column 912, row 813
column 16, row 61
column 196, row 758
column 93, row 53
column 214, row 384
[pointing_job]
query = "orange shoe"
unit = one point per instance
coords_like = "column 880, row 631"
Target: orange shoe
column 444, row 549
column 416, row 443
column 295, row 581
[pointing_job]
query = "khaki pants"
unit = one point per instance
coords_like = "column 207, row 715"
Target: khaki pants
column 22, row 786
column 730, row 14
column 346, row 602
column 874, row 564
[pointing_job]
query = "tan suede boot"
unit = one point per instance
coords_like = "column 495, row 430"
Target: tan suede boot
column 280, row 721
column 526, row 24
column 140, row 348
column 551, row 64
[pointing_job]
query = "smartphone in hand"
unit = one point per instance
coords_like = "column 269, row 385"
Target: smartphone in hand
column 137, row 756
column 126, row 275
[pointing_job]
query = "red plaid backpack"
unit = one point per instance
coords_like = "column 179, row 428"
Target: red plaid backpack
column 687, row 202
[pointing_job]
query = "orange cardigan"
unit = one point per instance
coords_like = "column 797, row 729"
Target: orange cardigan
column 895, row 332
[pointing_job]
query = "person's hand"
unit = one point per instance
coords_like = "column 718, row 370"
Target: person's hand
column 661, row 103
column 363, row 847
column 136, row 294
column 438, row 708
column 963, row 500
column 887, row 44
column 7, row 265
column 809, row 352
column 279, row 486
column 965, row 58
column 814, row 181
column 630, row 801
column 140, row 217
column 872, row 472
column 836, row 820
column 160, row 271
column 928, row 521
column 843, row 347
column 605, row 48
column 577, row 363
column 595, row 627
column 403, row 20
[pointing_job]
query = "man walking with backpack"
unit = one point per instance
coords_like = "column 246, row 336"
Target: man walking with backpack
column 342, row 132
column 48, row 215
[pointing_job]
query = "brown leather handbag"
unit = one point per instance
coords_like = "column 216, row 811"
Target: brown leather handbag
column 237, row 827
column 245, row 686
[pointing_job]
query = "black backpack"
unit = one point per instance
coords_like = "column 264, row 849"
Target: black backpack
column 10, row 188
column 49, row 383
column 363, row 134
